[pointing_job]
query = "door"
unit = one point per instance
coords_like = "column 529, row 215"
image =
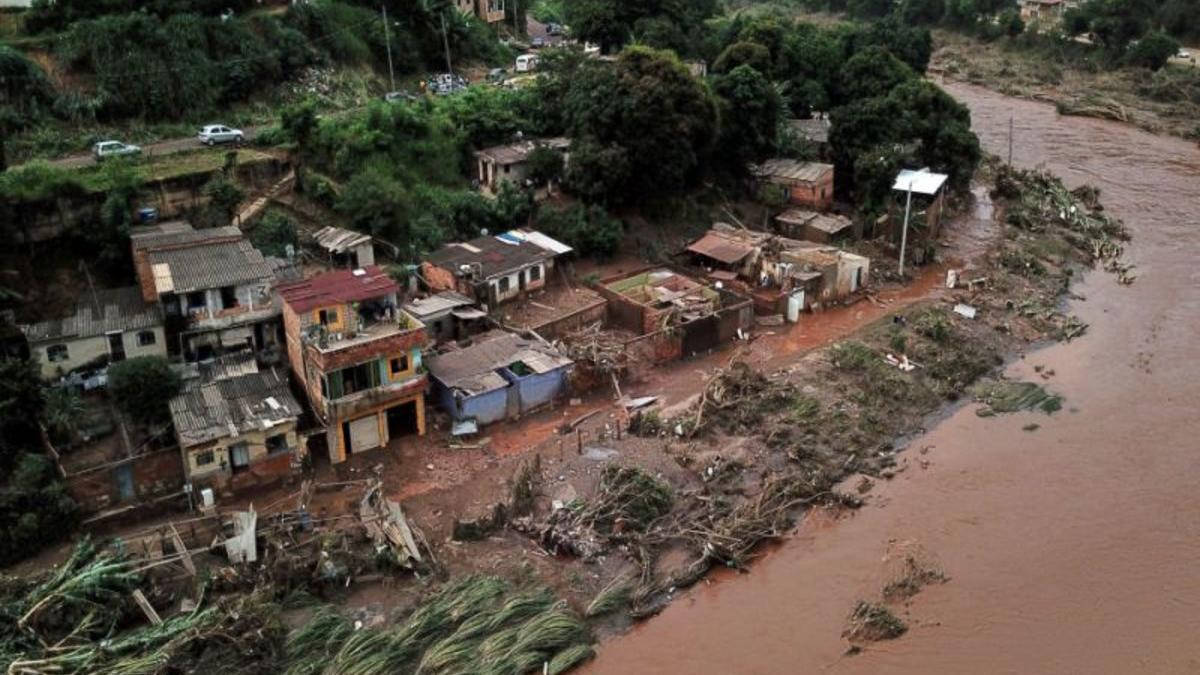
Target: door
column 795, row 306
column 124, row 478
column 116, row 346
column 364, row 434
column 239, row 457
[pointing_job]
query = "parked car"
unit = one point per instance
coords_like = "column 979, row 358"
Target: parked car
column 527, row 63
column 538, row 42
column 105, row 149
column 497, row 75
column 554, row 29
column 218, row 133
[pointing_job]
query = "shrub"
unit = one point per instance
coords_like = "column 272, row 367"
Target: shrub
column 35, row 509
column 590, row 230
column 142, row 388
column 273, row 233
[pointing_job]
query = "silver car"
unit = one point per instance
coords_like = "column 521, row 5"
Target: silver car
column 219, row 133
column 106, row 149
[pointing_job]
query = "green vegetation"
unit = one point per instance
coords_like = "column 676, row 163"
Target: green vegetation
column 142, row 388
column 273, row 233
column 1004, row 396
column 663, row 24
column 476, row 624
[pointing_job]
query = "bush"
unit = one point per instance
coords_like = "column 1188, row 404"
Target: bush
column 590, row 230
column 273, row 233
column 1152, row 51
column 143, row 387
column 35, row 509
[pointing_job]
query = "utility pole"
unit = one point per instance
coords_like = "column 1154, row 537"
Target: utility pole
column 904, row 232
column 387, row 37
column 446, row 41
column 1010, row 139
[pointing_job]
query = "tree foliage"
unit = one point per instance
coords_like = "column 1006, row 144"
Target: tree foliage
column 142, row 387
column 613, row 23
column 750, row 121
column 35, row 508
column 590, row 230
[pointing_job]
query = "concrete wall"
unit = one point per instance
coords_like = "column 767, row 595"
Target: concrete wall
column 537, row 390
column 515, row 279
column 531, row 391
column 563, row 325
column 154, row 474
column 87, row 350
column 221, row 469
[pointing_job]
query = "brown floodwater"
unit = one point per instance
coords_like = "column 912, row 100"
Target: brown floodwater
column 1074, row 548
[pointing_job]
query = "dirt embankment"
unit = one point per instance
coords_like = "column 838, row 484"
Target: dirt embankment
column 1166, row 101
column 620, row 523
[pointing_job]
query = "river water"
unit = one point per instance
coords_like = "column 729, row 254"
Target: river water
column 1074, row 548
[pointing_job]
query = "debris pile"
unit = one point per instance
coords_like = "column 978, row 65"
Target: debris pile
column 871, row 622
column 736, row 399
column 1005, row 396
column 477, row 624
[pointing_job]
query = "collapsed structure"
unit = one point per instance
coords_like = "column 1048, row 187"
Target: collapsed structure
column 784, row 276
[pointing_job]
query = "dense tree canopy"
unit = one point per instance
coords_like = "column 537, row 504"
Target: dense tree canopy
column 613, row 23
column 749, row 108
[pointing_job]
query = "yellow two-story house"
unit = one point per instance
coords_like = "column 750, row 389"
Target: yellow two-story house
column 357, row 356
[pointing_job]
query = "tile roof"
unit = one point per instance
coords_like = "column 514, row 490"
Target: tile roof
column 494, row 256
column 108, row 310
column 473, row 369
column 338, row 287
column 232, row 407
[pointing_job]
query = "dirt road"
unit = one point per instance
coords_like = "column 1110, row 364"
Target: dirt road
column 1071, row 548
column 152, row 149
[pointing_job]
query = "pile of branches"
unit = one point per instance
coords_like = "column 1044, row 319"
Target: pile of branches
column 627, row 504
column 728, row 535
column 80, row 620
column 1038, row 199
column 737, row 400
column 599, row 350
column 474, row 625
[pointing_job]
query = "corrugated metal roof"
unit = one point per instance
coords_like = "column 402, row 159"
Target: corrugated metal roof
column 446, row 301
column 493, row 256
column 923, row 182
column 211, row 265
column 178, row 233
column 792, row 170
column 534, row 237
column 830, row 224
column 339, row 240
column 338, row 287
column 109, row 310
column 814, row 130
column 473, row 369
column 233, row 407
column 721, row 247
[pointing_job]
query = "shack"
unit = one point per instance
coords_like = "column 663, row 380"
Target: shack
column 923, row 195
column 783, row 275
column 494, row 270
column 498, row 376
column 345, row 248
column 502, row 164
column 104, row 326
column 813, row 132
column 822, row 228
column 448, row 316
column 807, row 184
column 238, row 432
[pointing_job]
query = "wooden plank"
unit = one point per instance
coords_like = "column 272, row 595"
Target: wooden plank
column 185, row 557
column 147, row 608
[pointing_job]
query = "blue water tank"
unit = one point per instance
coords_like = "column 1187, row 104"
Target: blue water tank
column 147, row 215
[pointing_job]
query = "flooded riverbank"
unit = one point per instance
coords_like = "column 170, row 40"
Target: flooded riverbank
column 1070, row 549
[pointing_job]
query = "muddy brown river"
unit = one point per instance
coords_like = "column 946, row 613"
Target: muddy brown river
column 1074, row 548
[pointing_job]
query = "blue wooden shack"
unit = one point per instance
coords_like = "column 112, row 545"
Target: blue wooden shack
column 498, row 376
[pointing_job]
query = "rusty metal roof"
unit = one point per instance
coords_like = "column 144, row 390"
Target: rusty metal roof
column 792, row 170
column 338, row 287
column 721, row 247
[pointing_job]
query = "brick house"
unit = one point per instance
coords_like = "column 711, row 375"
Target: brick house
column 494, row 270
column 357, row 355
column 807, row 184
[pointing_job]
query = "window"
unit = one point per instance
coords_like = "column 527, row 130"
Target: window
column 535, row 273
column 277, row 444
column 229, row 298
column 504, row 285
column 205, row 458
column 57, row 353
column 328, row 317
column 400, row 364
column 196, row 300
column 146, row 338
